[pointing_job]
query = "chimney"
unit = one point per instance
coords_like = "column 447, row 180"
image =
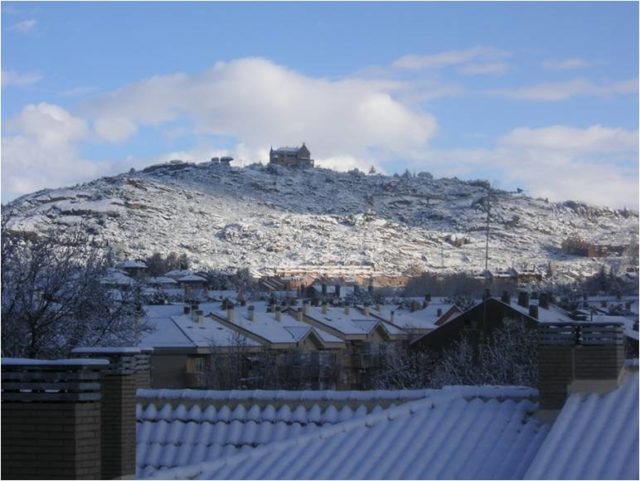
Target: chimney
column 63, row 397
column 324, row 307
column 603, row 303
column 413, row 306
column 439, row 312
column 427, row 297
column 506, row 298
column 523, row 298
column 278, row 313
column 187, row 310
column 118, row 413
column 543, row 300
column 305, row 307
column 577, row 357
column 365, row 310
column 251, row 313
column 533, row 311
column 346, row 308
column 337, row 290
column 378, row 306
column 199, row 317
column 300, row 314
column 231, row 312
column 392, row 316
column 324, row 290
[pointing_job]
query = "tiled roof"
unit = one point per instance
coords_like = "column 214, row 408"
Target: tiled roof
column 452, row 434
column 594, row 437
column 183, row 427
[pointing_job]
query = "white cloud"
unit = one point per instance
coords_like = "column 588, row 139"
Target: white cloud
column 38, row 150
column 114, row 129
column 448, row 58
column 25, row 26
column 489, row 68
column 262, row 104
column 11, row 78
column 555, row 91
column 566, row 64
column 594, row 139
column 556, row 162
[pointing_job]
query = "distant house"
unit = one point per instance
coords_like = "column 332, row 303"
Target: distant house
column 291, row 157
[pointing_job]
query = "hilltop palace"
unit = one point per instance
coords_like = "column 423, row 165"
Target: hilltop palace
column 291, row 157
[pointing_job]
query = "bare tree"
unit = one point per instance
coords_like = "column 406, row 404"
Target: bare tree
column 506, row 357
column 53, row 299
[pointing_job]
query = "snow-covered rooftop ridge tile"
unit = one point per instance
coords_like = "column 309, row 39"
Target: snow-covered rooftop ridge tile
column 437, row 437
column 107, row 350
column 16, row 361
column 305, row 395
column 594, row 437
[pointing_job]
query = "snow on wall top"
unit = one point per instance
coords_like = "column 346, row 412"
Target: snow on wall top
column 445, row 436
column 594, row 437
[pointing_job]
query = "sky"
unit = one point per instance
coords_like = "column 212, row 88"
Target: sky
column 537, row 96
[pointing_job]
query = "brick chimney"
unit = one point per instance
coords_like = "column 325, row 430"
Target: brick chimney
column 578, row 357
column 506, row 297
column 118, row 414
column 51, row 419
column 523, row 298
column 543, row 300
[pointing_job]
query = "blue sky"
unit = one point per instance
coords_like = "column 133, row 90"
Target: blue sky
column 542, row 96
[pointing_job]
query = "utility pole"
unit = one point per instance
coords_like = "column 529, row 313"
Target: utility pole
column 486, row 249
column 487, row 278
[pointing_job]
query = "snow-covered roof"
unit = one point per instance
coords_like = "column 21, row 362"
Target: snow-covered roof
column 132, row 264
column 192, row 278
column 419, row 319
column 594, row 437
column 182, row 427
column 352, row 323
column 115, row 277
column 459, row 433
column 173, row 329
column 161, row 280
column 287, row 330
column 178, row 273
column 222, row 294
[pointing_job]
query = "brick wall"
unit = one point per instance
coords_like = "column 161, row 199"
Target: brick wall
column 118, row 426
column 51, row 440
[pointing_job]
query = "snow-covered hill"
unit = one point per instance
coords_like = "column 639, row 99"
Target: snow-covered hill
column 259, row 216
